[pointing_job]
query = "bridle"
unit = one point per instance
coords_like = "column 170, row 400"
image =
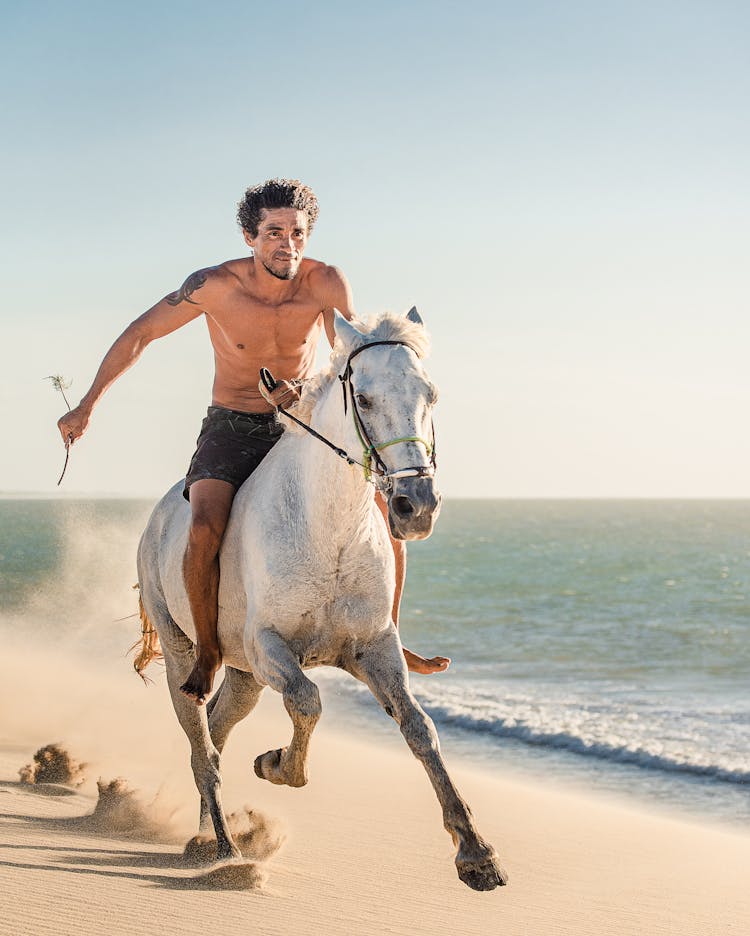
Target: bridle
column 371, row 451
column 372, row 463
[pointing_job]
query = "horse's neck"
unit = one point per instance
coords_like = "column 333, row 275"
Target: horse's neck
column 339, row 500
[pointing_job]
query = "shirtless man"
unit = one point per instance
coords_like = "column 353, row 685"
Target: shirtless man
column 266, row 310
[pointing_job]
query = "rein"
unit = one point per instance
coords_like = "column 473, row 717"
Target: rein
column 372, row 463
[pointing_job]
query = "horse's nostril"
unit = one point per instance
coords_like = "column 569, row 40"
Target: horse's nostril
column 402, row 506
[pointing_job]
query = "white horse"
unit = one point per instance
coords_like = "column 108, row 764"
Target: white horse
column 307, row 574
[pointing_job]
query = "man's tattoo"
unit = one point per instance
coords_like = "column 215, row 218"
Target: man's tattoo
column 183, row 294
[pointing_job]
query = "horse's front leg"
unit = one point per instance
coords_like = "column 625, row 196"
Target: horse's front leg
column 233, row 700
column 381, row 666
column 275, row 665
column 179, row 656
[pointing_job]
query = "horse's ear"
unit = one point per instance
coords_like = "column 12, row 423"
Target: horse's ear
column 345, row 330
column 414, row 316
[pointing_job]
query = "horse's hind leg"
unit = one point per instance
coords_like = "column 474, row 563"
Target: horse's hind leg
column 179, row 656
column 382, row 667
column 276, row 665
column 237, row 697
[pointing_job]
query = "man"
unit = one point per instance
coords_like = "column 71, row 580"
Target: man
column 266, row 310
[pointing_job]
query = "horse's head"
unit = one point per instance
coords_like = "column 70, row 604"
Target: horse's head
column 390, row 398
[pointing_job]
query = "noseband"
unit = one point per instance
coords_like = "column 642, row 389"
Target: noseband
column 371, row 463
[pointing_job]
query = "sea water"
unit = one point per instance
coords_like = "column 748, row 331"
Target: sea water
column 598, row 642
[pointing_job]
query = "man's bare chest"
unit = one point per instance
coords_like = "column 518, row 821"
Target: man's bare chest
column 245, row 322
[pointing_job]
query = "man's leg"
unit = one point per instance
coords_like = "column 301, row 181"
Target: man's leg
column 415, row 662
column 210, row 503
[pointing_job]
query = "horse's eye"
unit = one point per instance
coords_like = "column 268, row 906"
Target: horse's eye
column 362, row 401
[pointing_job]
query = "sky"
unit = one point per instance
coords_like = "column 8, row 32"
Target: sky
column 560, row 188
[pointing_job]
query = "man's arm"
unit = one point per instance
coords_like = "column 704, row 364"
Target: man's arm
column 171, row 313
column 337, row 295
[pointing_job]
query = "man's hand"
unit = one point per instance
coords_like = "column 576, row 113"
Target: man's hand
column 73, row 424
column 283, row 394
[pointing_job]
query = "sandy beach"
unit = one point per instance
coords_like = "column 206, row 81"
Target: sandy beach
column 364, row 848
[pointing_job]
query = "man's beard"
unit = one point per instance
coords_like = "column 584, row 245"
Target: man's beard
column 286, row 275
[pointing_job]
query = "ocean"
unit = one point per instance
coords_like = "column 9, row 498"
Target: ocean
column 602, row 644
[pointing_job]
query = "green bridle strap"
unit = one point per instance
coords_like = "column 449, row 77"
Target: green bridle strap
column 367, row 450
column 379, row 448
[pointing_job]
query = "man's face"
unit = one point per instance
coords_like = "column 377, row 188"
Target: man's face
column 281, row 241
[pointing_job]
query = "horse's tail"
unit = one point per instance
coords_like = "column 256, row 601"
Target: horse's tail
column 147, row 648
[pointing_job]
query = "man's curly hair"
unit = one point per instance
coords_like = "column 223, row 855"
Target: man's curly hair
column 276, row 193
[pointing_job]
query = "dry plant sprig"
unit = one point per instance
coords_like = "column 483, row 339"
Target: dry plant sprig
column 60, row 383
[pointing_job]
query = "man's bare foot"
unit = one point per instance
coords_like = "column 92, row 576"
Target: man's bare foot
column 201, row 679
column 419, row 664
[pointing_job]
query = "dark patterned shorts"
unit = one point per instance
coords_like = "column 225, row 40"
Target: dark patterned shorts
column 231, row 445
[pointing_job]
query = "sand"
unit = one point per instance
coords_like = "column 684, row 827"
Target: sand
column 363, row 852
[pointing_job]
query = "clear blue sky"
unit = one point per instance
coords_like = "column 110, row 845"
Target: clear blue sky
column 561, row 188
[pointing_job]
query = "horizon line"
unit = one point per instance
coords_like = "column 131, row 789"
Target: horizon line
column 114, row 495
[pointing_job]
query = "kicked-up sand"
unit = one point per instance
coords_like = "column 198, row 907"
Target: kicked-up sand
column 360, row 850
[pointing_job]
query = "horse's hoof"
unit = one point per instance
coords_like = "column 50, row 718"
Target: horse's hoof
column 266, row 766
column 200, row 850
column 482, row 875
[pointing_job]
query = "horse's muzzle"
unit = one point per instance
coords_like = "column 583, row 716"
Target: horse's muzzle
column 413, row 508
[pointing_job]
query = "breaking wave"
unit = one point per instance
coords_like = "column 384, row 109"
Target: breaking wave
column 636, row 732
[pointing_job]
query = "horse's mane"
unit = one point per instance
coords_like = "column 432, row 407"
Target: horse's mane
column 386, row 326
